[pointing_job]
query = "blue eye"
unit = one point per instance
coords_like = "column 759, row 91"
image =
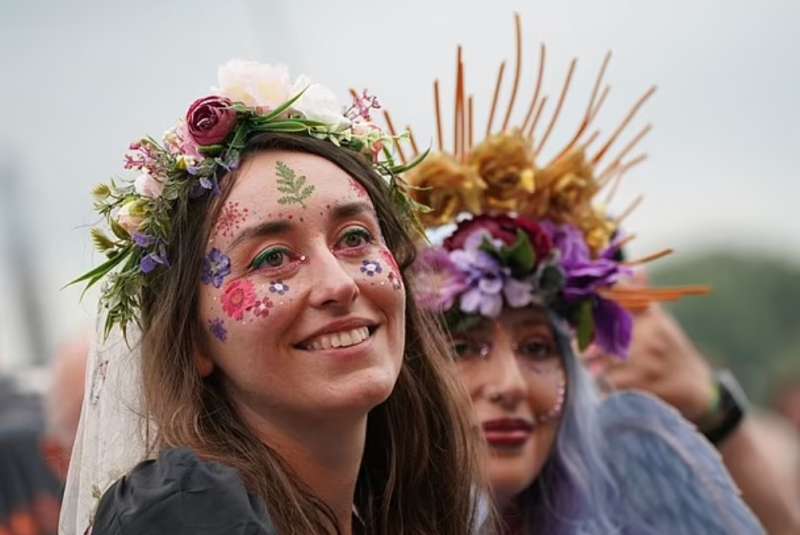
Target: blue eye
column 274, row 257
column 357, row 237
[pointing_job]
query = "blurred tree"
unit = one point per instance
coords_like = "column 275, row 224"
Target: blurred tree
column 750, row 321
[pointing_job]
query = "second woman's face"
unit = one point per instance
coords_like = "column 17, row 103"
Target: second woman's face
column 302, row 302
column 514, row 374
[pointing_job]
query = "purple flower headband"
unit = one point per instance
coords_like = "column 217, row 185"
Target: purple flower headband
column 494, row 261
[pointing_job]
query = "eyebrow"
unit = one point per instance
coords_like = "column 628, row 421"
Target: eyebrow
column 261, row 230
column 351, row 209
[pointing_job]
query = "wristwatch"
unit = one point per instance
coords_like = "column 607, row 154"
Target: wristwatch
column 728, row 409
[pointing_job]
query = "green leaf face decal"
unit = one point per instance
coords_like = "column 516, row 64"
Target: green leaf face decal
column 293, row 187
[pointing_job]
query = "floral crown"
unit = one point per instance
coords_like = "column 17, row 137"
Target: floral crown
column 194, row 156
column 530, row 233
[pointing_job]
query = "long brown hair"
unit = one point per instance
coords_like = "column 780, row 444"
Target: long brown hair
column 419, row 472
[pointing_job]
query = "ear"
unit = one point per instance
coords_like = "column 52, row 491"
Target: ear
column 202, row 360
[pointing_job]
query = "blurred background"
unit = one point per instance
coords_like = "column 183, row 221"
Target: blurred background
column 81, row 80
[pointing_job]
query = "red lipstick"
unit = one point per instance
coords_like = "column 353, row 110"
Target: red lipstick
column 507, row 432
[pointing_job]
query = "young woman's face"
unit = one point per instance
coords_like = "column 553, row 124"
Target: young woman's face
column 302, row 303
column 514, row 374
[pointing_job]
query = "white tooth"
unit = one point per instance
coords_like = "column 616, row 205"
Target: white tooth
column 324, row 342
column 357, row 335
column 364, row 333
column 346, row 338
column 335, row 340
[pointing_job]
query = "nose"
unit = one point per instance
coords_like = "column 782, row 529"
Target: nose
column 504, row 381
column 332, row 284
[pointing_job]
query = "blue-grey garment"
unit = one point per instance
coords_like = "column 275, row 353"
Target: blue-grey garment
column 670, row 478
column 179, row 494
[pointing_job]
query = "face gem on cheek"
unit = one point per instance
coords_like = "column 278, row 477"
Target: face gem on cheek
column 216, row 266
column 217, row 328
column 371, row 267
column 239, row 297
column 278, row 287
column 294, row 188
column 229, row 220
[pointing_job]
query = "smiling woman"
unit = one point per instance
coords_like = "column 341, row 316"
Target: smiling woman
column 283, row 360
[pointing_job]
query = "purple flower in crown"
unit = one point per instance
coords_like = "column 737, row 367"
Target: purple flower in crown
column 370, row 267
column 216, row 266
column 584, row 275
column 484, row 274
column 439, row 280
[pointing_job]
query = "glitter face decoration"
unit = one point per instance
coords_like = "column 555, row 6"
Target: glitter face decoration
column 230, row 219
column 303, row 261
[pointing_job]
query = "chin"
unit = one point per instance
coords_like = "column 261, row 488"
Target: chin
column 508, row 479
column 362, row 390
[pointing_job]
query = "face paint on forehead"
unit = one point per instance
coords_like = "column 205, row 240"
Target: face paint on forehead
column 230, row 219
column 358, row 189
column 293, row 187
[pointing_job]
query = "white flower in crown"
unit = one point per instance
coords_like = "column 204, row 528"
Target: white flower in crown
column 147, row 186
column 319, row 103
column 257, row 85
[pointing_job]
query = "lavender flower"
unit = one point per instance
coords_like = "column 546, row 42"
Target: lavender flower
column 216, row 266
column 150, row 262
column 613, row 327
column 438, row 279
column 485, row 276
column 584, row 275
column 217, row 328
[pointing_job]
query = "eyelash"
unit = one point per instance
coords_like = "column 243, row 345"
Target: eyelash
column 259, row 261
column 357, row 231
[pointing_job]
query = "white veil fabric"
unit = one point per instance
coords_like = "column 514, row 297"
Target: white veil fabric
column 110, row 438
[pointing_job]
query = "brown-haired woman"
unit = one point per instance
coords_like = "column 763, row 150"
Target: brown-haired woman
column 290, row 380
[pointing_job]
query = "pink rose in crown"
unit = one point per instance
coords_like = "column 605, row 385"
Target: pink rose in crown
column 210, row 120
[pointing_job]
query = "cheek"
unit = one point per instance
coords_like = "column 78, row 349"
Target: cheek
column 244, row 308
column 376, row 273
column 547, row 393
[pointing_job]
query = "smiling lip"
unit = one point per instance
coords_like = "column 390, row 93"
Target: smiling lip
column 507, row 432
column 339, row 326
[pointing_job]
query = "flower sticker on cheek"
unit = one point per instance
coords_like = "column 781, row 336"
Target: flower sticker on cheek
column 278, row 287
column 217, row 328
column 262, row 307
column 216, row 266
column 371, row 267
column 239, row 297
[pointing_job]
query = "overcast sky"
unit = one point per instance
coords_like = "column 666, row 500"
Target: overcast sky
column 83, row 79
